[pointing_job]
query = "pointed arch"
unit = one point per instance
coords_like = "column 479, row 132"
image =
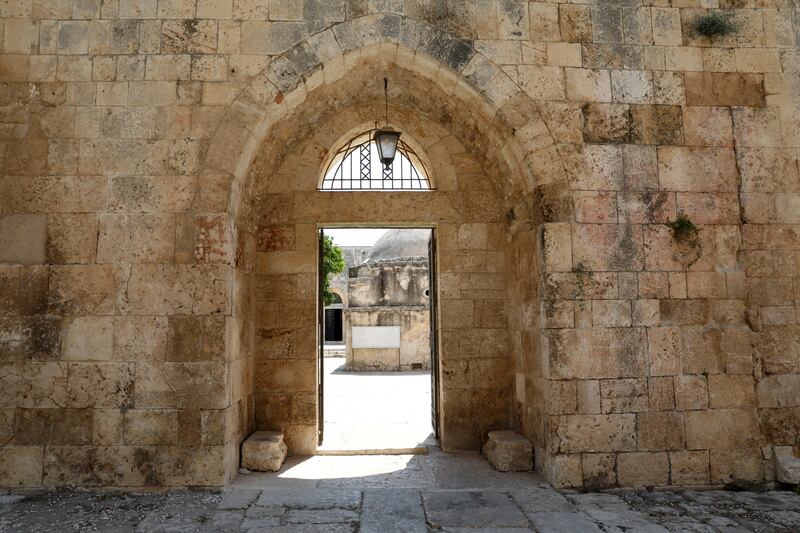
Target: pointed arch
column 499, row 110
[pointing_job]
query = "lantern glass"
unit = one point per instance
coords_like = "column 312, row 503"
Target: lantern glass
column 387, row 145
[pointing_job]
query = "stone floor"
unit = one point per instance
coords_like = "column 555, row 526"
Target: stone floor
column 370, row 411
column 384, row 494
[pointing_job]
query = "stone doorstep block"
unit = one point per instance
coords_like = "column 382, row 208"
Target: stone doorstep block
column 264, row 451
column 787, row 466
column 508, row 451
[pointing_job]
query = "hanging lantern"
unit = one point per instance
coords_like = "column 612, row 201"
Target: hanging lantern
column 386, row 138
column 387, row 145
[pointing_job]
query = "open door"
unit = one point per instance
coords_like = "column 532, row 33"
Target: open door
column 433, row 334
column 320, row 340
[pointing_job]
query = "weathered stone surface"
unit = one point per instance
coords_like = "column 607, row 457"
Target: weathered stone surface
column 22, row 239
column 180, row 385
column 725, row 89
column 656, row 125
column 597, row 353
column 33, row 385
column 607, row 247
column 721, row 429
column 595, row 433
column 71, row 238
column 178, row 289
column 83, row 289
column 779, row 391
column 659, row 431
column 787, row 466
column 392, row 509
column 470, row 509
column 689, row 467
column 88, row 339
column 642, row 469
column 21, row 466
column 145, row 427
column 298, row 498
column 623, row 395
column 264, row 451
column 691, row 392
column 508, row 451
column 555, row 521
column 100, row 385
column 697, row 169
column 740, row 464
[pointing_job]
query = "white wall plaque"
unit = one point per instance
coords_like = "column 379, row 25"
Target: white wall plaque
column 376, row 336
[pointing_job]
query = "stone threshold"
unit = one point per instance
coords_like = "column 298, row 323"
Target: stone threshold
column 414, row 450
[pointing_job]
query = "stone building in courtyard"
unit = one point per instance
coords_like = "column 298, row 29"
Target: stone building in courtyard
column 615, row 199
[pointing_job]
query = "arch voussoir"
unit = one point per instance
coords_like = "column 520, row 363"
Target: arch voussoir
column 452, row 63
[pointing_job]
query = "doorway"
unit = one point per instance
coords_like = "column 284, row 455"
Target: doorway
column 333, row 325
column 378, row 350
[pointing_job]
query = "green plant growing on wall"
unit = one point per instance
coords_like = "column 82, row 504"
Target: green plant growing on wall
column 332, row 263
column 715, row 24
column 682, row 228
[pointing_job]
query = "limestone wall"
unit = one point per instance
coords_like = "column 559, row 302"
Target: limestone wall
column 158, row 227
column 353, row 256
column 390, row 283
column 414, row 352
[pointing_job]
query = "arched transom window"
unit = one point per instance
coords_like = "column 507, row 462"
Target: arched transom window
column 357, row 167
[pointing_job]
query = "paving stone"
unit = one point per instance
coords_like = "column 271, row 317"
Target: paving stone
column 689, row 526
column 615, row 517
column 258, row 524
column 786, row 518
column 541, row 500
column 595, row 498
column 312, row 528
column 392, row 510
column 563, row 523
column 262, row 512
column 225, row 520
column 310, row 498
column 326, row 516
column 237, row 498
column 473, row 509
column 484, row 530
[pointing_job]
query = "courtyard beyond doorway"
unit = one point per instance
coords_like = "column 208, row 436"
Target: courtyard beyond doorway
column 377, row 367
column 375, row 412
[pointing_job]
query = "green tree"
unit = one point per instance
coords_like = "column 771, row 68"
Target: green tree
column 332, row 263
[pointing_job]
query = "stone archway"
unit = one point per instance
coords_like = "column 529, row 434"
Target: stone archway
column 485, row 93
column 286, row 120
column 281, row 209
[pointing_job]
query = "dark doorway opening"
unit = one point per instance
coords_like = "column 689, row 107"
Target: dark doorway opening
column 333, row 325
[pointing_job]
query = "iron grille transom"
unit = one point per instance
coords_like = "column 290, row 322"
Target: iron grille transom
column 357, row 167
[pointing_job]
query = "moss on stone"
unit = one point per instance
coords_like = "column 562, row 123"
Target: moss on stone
column 715, row 24
column 682, row 228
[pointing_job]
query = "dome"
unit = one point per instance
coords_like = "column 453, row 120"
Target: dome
column 400, row 244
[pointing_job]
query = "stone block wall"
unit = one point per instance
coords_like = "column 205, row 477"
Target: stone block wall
column 659, row 346
column 414, row 352
column 155, row 273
